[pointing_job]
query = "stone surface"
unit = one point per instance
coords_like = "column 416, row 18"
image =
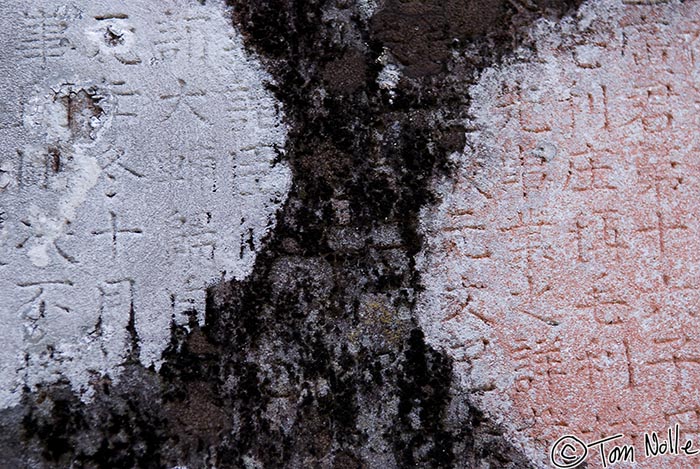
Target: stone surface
column 139, row 165
column 562, row 264
column 332, row 352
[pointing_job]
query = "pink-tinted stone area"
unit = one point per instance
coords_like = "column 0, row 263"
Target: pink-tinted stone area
column 565, row 260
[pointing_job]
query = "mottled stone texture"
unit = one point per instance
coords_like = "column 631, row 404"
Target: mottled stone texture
column 563, row 259
column 317, row 358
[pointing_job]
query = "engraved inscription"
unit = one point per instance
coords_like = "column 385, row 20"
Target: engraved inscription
column 141, row 168
column 46, row 37
column 578, row 265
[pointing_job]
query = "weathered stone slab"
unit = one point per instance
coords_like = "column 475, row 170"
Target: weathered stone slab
column 139, row 164
column 562, row 271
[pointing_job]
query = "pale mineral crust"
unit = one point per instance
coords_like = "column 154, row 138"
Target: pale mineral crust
column 139, row 150
column 562, row 262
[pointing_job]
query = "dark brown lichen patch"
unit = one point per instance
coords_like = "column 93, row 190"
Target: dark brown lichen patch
column 420, row 33
column 347, row 73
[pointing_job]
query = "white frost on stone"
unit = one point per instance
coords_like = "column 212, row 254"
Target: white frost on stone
column 367, row 8
column 389, row 76
column 139, row 165
column 481, row 364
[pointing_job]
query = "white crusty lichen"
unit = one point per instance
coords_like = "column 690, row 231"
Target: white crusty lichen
column 140, row 163
column 562, row 251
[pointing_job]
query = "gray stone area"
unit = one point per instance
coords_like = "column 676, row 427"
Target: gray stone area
column 138, row 150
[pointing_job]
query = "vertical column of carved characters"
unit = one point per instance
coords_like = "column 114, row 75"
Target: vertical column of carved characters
column 194, row 248
column 464, row 301
column 116, row 233
column 43, row 303
column 183, row 37
column 540, row 369
column 464, row 237
column 119, row 171
column 507, row 108
column 457, row 299
column 241, row 115
column 660, row 174
column 659, row 228
column 116, row 305
column 129, row 101
column 677, row 180
column 250, row 167
column 113, row 38
column 45, row 35
column 185, row 101
column 650, row 46
column 589, row 113
column 537, row 148
column 671, row 293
